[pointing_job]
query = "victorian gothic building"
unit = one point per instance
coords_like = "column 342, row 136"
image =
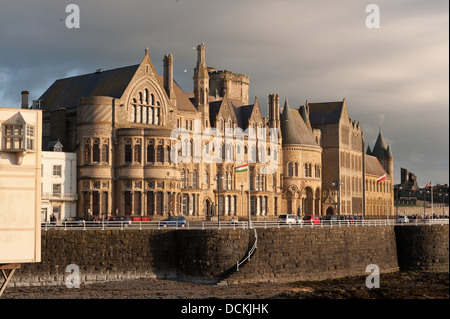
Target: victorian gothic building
column 145, row 147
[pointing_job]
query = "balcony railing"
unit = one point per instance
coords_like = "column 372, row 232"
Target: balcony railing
column 59, row 196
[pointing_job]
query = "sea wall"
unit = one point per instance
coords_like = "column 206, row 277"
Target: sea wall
column 210, row 256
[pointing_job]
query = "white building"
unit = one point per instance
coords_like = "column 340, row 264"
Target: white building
column 20, row 186
column 59, row 184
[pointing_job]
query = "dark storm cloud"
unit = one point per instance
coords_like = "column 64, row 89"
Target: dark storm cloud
column 315, row 50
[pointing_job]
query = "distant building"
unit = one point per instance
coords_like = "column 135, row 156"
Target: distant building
column 59, row 183
column 408, row 180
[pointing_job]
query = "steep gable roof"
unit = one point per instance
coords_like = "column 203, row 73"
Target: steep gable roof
column 66, row 92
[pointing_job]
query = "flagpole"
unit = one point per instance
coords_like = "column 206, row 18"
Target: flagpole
column 431, row 199
column 249, row 213
column 387, row 204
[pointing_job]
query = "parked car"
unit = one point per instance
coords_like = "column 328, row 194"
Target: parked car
column 74, row 221
column 119, row 221
column 329, row 220
column 288, row 219
column 311, row 219
column 178, row 221
column 402, row 219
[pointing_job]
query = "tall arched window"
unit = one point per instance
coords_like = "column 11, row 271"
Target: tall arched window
column 194, row 179
column 96, row 151
column 150, row 153
column 290, row 170
column 206, row 179
column 183, row 179
column 159, row 153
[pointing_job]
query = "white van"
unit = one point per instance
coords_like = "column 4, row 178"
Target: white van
column 288, row 219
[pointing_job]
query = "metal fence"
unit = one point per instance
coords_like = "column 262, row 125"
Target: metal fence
column 128, row 225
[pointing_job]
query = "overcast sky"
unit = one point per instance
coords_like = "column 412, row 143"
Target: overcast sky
column 395, row 76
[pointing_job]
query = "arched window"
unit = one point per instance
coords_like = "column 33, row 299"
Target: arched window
column 137, row 151
column 146, row 96
column 253, row 154
column 159, row 153
column 96, row 151
column 145, row 110
column 206, row 179
column 105, row 153
column 296, row 169
column 183, row 180
column 128, row 153
column 87, row 152
column 133, row 113
column 290, row 170
column 229, row 152
column 194, row 179
column 150, row 153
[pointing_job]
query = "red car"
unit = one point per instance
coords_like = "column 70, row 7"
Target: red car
column 311, row 219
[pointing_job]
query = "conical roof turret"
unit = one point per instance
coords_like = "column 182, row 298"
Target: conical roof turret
column 381, row 150
column 294, row 129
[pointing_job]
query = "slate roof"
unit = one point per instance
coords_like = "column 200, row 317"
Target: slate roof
column 112, row 83
column 66, row 92
column 373, row 166
column 294, row 129
column 325, row 112
column 381, row 149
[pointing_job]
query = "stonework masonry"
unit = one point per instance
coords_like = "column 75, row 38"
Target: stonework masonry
column 282, row 255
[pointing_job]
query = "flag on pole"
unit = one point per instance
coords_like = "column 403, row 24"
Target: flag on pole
column 428, row 185
column 382, row 178
column 242, row 168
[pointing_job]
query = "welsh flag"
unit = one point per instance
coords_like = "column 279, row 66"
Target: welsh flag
column 382, row 178
column 428, row 185
column 242, row 168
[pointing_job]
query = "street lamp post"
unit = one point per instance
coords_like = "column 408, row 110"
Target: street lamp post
column 399, row 188
column 218, row 178
column 338, row 184
column 424, row 194
column 443, row 204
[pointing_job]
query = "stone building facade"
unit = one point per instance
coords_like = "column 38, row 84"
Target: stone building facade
column 147, row 148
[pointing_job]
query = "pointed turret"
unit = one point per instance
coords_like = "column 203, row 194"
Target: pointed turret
column 294, row 129
column 383, row 152
column 201, row 82
column 380, row 148
column 369, row 151
column 304, row 112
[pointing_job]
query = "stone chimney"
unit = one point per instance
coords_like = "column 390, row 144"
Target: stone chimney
column 168, row 77
column 25, row 99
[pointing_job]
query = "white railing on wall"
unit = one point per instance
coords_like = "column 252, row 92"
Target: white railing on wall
column 124, row 225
